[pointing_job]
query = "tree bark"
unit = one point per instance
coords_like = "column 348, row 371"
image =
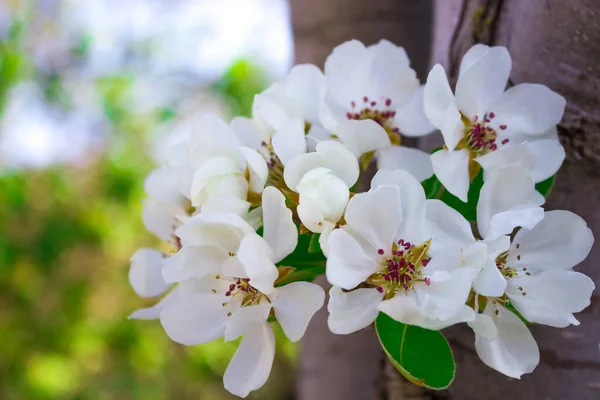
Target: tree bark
column 555, row 43
column 353, row 367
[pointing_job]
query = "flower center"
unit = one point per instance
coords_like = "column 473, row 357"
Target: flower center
column 240, row 287
column 479, row 137
column 275, row 177
column 402, row 269
column 381, row 112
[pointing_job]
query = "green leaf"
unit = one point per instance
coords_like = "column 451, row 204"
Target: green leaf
column 422, row 356
column 432, row 187
column 304, row 255
column 468, row 209
column 313, row 246
column 546, row 186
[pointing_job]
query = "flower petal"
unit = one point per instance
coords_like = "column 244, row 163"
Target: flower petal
column 218, row 229
column 228, row 204
column 251, row 364
column 323, row 198
column 279, row 231
column 145, row 274
column 295, row 304
column 448, row 225
column 437, row 96
column 550, row 156
column 352, row 311
column 245, row 320
column 153, row 312
column 376, row 216
column 499, row 210
column 509, row 156
column 348, row 265
column 256, row 256
column 161, row 218
column 483, row 326
column 483, row 82
column 162, row 185
column 472, row 55
column 289, row 141
column 490, row 282
column 193, row 262
column 340, row 160
column 415, row 161
column 257, row 166
column 362, row 136
column 559, row 241
column 347, row 72
column 514, row 352
column 412, row 200
column 297, row 167
column 210, row 136
column 404, row 309
column 248, row 132
column 306, row 85
column 452, row 169
column 411, row 119
column 551, row 298
column 195, row 318
column 528, row 108
column 453, row 128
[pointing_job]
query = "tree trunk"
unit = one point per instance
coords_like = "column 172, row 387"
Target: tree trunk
column 352, row 367
column 555, row 43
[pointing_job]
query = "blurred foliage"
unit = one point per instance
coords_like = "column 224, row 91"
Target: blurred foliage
column 66, row 236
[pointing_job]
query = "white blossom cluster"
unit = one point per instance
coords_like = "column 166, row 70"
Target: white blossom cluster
column 234, row 198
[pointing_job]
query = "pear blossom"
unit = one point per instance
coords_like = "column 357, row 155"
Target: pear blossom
column 532, row 273
column 376, row 83
column 323, row 180
column 485, row 124
column 227, row 289
column 222, row 164
column 388, row 258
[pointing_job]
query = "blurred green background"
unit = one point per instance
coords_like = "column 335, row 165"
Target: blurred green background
column 68, row 227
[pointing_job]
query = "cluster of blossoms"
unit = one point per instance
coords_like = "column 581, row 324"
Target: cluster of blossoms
column 233, row 200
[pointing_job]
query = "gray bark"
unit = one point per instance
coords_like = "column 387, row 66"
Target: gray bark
column 353, row 367
column 555, row 43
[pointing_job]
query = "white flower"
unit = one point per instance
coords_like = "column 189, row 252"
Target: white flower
column 228, row 289
column 404, row 268
column 222, row 165
column 165, row 202
column 540, row 284
column 376, row 83
column 496, row 128
column 323, row 180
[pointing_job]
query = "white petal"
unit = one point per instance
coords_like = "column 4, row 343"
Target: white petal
column 415, row 161
column 514, row 352
column 254, row 218
column 324, row 238
column 437, row 96
column 551, row 298
column 229, row 204
column 347, row 72
column 256, row 256
column 251, row 364
column 550, row 156
column 484, row 326
column 510, row 156
column 193, row 262
column 352, row 311
column 217, row 229
column 505, row 203
column 154, row 311
column 483, row 82
column 472, row 55
column 348, row 265
column 490, row 281
column 248, row 132
column 376, row 216
column 452, row 169
column 233, row 268
column 447, row 224
column 160, row 218
column 306, row 85
column 209, row 133
column 411, row 119
column 404, row 309
column 195, row 318
column 289, row 141
column 391, row 75
column 245, row 320
column 453, row 129
column 207, row 179
column 145, row 274
column 528, row 108
column 297, row 167
column 257, row 166
column 362, row 136
column 279, row 232
column 295, row 304
column 323, row 197
column 412, row 200
column 560, row 240
column 340, row 160
column 274, row 107
column 162, row 185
